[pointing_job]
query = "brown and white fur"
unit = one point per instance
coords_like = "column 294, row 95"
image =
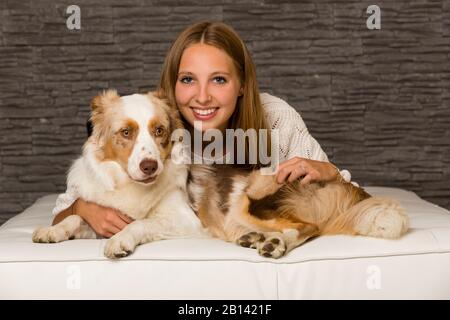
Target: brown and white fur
column 127, row 165
column 252, row 209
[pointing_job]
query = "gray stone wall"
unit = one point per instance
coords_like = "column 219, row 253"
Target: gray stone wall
column 378, row 101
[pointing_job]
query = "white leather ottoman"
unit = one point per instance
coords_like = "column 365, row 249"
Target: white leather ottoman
column 333, row 267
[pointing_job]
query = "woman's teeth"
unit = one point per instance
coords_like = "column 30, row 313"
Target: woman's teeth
column 204, row 112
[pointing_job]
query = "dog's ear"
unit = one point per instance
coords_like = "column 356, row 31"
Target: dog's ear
column 100, row 103
column 175, row 119
column 104, row 99
column 99, row 106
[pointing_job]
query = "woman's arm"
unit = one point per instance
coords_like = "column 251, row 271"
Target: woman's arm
column 300, row 154
column 62, row 215
column 105, row 221
column 306, row 158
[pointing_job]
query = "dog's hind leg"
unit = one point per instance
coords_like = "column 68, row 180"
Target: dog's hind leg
column 72, row 227
column 277, row 244
column 261, row 185
column 275, row 236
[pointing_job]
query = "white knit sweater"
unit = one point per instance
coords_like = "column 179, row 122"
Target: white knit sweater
column 294, row 140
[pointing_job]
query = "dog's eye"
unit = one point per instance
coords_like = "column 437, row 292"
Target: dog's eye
column 159, row 131
column 126, row 133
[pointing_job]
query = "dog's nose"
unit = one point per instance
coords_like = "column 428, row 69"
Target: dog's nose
column 148, row 166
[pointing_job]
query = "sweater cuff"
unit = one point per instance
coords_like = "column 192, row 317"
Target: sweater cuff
column 65, row 200
column 345, row 174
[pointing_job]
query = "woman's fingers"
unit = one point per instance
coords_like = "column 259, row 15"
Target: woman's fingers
column 107, row 234
column 111, row 222
column 111, row 228
column 125, row 218
column 306, row 180
column 289, row 162
column 298, row 171
column 117, row 223
column 291, row 171
column 284, row 173
column 305, row 169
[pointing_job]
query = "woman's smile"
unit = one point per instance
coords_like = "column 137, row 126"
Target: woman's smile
column 204, row 114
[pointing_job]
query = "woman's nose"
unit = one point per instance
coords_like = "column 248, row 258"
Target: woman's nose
column 203, row 96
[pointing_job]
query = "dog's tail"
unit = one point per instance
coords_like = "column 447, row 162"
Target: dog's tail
column 375, row 217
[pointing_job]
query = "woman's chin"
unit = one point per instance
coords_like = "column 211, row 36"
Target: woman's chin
column 206, row 125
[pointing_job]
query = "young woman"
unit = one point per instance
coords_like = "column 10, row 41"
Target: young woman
column 210, row 76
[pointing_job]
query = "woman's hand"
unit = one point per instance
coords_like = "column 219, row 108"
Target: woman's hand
column 309, row 170
column 105, row 221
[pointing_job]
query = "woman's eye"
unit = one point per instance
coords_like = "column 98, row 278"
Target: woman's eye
column 220, row 80
column 186, row 80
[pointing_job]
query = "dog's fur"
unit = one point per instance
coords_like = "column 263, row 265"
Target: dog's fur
column 252, row 209
column 126, row 164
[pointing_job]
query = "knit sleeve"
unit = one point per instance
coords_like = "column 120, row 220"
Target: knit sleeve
column 301, row 142
column 294, row 137
column 65, row 200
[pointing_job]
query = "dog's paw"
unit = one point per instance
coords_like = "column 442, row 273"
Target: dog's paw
column 269, row 244
column 51, row 234
column 274, row 246
column 119, row 246
column 251, row 240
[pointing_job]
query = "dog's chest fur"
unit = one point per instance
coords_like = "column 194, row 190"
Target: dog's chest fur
column 138, row 201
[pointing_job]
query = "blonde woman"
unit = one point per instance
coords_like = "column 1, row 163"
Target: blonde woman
column 210, row 76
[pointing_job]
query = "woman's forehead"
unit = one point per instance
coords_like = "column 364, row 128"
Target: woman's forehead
column 203, row 57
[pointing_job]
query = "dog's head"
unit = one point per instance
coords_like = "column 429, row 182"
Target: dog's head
column 134, row 131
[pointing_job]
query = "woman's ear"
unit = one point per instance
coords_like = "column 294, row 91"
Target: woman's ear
column 241, row 91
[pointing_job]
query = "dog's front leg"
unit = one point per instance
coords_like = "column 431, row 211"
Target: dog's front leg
column 138, row 232
column 173, row 218
column 72, row 227
column 157, row 227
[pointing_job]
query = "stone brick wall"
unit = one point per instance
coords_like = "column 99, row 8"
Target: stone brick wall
column 378, row 101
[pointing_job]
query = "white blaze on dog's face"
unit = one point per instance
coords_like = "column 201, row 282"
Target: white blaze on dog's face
column 133, row 131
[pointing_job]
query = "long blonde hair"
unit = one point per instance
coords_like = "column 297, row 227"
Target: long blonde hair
column 249, row 113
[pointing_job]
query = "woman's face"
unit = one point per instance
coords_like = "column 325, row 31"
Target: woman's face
column 207, row 87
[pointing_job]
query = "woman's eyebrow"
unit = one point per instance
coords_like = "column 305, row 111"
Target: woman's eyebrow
column 214, row 73
column 220, row 72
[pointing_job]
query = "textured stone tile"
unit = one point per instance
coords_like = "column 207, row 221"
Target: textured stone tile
column 378, row 101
